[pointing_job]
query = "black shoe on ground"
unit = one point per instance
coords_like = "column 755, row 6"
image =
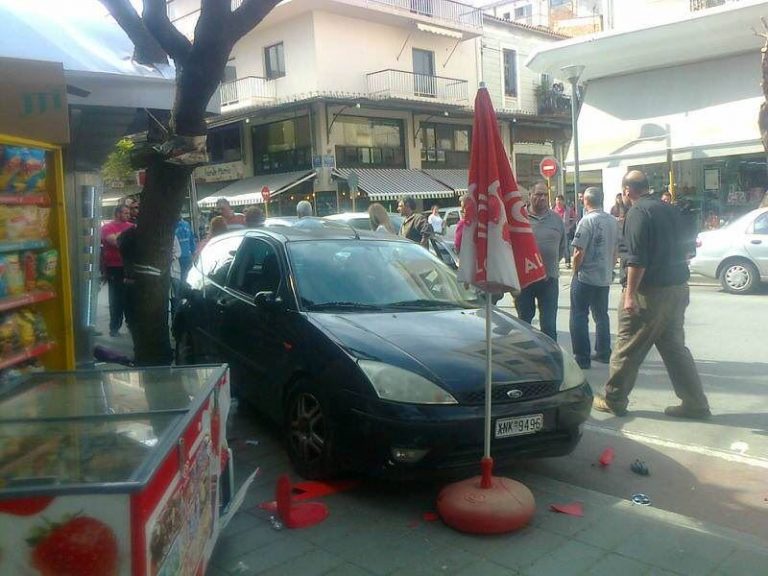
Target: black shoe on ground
column 601, row 405
column 682, row 411
column 584, row 365
column 601, row 359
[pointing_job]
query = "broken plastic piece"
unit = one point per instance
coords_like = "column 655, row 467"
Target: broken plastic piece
column 430, row 516
column 640, row 467
column 300, row 515
column 572, row 509
column 607, row 456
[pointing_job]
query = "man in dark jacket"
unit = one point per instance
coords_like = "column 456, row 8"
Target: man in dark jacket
column 415, row 227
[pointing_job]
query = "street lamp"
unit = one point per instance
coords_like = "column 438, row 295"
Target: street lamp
column 573, row 73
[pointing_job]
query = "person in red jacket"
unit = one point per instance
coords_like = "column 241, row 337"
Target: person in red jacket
column 112, row 263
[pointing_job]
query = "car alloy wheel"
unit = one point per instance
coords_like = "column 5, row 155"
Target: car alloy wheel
column 738, row 277
column 309, row 435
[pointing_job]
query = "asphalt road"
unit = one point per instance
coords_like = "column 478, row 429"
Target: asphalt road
column 716, row 471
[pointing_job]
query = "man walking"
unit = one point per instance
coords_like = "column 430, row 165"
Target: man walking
column 415, row 227
column 594, row 253
column 654, row 274
column 186, row 240
column 435, row 220
column 113, row 266
column 549, row 231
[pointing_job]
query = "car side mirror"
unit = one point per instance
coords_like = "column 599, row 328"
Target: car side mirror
column 267, row 299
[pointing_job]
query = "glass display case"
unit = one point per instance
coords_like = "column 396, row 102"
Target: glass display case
column 138, row 456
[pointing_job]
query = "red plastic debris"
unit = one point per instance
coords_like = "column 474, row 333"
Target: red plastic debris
column 572, row 509
column 310, row 490
column 606, row 457
column 430, row 516
column 301, row 515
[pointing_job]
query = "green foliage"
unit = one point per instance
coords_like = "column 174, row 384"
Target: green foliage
column 117, row 167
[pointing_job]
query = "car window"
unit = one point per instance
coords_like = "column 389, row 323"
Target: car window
column 381, row 274
column 256, row 268
column 452, row 219
column 214, row 261
column 761, row 224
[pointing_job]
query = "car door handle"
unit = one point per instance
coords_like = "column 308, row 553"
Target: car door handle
column 755, row 241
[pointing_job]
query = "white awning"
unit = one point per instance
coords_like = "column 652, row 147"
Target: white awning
column 439, row 31
column 703, row 110
column 456, row 178
column 393, row 183
column 248, row 190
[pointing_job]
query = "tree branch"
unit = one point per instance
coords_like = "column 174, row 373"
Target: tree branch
column 248, row 15
column 146, row 51
column 157, row 22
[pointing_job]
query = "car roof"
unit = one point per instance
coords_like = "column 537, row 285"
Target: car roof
column 296, row 234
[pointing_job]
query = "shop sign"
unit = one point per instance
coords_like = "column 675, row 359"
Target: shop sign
column 33, row 100
column 220, row 172
column 323, row 161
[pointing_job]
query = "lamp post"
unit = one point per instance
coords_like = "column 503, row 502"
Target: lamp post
column 573, row 73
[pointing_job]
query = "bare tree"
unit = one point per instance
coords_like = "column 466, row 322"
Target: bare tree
column 200, row 67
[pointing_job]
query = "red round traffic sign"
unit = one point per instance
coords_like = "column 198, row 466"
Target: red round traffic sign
column 265, row 193
column 548, row 167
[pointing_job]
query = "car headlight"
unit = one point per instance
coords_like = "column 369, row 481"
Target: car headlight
column 398, row 385
column 572, row 374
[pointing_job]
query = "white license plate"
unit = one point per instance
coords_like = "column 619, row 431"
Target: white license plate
column 520, row 425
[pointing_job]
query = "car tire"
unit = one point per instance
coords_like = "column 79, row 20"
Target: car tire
column 738, row 276
column 309, row 433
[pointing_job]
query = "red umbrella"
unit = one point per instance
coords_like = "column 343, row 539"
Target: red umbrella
column 498, row 253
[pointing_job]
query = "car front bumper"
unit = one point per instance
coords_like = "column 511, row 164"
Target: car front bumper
column 452, row 437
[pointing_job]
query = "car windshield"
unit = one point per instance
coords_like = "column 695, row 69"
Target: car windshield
column 374, row 275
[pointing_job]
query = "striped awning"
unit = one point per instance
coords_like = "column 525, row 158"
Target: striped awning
column 248, row 190
column 393, row 183
column 455, row 178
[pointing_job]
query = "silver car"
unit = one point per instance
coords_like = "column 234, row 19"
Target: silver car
column 737, row 254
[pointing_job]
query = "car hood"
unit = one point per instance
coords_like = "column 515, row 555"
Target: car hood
column 447, row 346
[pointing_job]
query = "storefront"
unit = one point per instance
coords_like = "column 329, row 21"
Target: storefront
column 686, row 116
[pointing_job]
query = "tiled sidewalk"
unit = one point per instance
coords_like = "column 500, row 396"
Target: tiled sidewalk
column 378, row 528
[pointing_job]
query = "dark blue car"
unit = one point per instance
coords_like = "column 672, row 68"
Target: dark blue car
column 371, row 355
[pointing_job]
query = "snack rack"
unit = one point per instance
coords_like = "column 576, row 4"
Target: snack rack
column 35, row 292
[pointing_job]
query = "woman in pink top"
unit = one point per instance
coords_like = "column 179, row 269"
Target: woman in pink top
column 460, row 225
column 112, row 263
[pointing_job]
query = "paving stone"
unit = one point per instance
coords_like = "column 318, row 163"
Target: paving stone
column 486, row 568
column 744, row 563
column 314, row 563
column 232, row 546
column 266, row 557
column 614, row 564
column 526, row 547
column 571, row 558
column 347, row 570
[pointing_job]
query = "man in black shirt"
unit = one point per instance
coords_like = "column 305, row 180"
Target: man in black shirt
column 415, row 226
column 654, row 273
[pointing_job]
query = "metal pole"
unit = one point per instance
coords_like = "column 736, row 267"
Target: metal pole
column 574, row 122
column 488, row 374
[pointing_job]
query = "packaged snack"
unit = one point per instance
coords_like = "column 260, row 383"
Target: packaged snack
column 29, row 267
column 47, row 263
column 5, row 213
column 43, row 216
column 9, row 340
column 14, row 278
column 30, row 217
column 3, row 282
column 22, row 170
column 25, row 326
column 10, row 167
column 16, row 223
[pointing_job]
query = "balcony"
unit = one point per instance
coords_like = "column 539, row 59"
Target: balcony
column 440, row 12
column 402, row 85
column 251, row 91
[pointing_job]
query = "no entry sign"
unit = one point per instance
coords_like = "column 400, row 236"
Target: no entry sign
column 548, row 167
column 265, row 193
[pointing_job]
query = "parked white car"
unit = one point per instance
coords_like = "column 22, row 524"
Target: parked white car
column 736, row 254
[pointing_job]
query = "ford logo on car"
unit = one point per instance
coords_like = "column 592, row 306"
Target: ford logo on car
column 514, row 394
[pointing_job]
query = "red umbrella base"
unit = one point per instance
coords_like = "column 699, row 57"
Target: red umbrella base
column 506, row 506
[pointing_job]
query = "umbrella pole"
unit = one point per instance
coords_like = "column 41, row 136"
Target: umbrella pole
column 486, row 464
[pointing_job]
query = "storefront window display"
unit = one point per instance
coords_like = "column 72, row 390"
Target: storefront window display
column 716, row 189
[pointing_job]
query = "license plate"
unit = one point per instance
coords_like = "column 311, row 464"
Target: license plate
column 520, row 425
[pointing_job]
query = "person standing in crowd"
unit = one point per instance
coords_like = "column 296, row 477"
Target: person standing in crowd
column 619, row 210
column 380, row 221
column 435, row 220
column 654, row 274
column 231, row 218
column 549, row 232
column 568, row 215
column 254, row 217
column 594, row 254
column 666, row 197
column 176, row 275
column 113, row 265
column 186, row 241
column 415, row 227
column 217, row 226
column 461, row 223
column 303, row 209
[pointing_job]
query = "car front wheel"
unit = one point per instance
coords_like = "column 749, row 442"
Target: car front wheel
column 309, row 433
column 738, row 277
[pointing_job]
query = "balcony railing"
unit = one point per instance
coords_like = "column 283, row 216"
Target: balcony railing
column 411, row 86
column 696, row 5
column 248, row 91
column 447, row 11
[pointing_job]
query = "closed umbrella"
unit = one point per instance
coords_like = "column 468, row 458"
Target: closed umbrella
column 498, row 253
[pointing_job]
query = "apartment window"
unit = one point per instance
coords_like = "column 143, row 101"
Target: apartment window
column 510, row 73
column 368, row 142
column 445, row 145
column 507, row 15
column 282, row 146
column 225, row 144
column 524, row 12
column 274, row 61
